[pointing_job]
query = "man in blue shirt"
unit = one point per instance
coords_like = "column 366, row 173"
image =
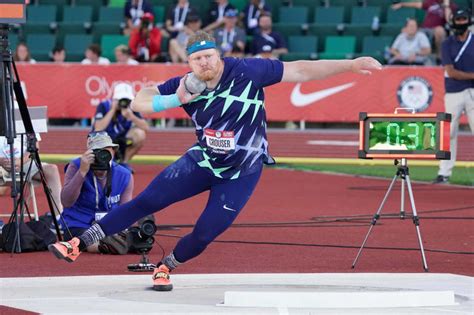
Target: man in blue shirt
column 268, row 43
column 93, row 188
column 125, row 127
column 458, row 60
column 225, row 100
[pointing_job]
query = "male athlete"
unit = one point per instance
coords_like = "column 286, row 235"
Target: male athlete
column 231, row 146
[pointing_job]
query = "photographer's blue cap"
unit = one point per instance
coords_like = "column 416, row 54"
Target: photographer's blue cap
column 201, row 45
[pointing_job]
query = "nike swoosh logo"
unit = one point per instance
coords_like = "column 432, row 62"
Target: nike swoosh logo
column 230, row 209
column 299, row 99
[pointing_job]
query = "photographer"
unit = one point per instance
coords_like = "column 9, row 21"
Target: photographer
column 125, row 127
column 145, row 41
column 93, row 186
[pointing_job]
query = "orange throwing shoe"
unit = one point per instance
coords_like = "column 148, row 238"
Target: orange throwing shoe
column 161, row 279
column 68, row 251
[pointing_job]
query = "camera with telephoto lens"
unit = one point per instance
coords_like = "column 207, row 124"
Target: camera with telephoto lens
column 141, row 237
column 124, row 103
column 102, row 158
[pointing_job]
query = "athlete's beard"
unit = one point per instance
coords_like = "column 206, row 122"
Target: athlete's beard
column 208, row 75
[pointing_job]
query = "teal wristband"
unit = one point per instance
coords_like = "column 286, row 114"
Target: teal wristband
column 164, row 102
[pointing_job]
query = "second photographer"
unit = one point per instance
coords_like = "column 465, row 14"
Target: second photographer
column 125, row 127
column 93, row 186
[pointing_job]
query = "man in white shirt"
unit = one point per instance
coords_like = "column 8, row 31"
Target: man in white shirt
column 411, row 47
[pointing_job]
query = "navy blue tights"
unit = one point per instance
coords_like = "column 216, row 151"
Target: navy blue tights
column 179, row 181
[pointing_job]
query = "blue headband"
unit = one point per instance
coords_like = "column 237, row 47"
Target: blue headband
column 201, row 45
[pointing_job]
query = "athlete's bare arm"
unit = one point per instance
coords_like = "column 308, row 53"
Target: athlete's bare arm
column 302, row 71
column 143, row 102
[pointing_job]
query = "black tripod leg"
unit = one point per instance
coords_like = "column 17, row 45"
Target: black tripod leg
column 416, row 221
column 47, row 191
column 374, row 219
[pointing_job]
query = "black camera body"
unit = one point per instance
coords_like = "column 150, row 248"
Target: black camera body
column 102, row 158
column 124, row 103
column 141, row 238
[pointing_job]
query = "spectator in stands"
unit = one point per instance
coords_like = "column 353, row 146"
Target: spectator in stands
column 177, row 15
column 177, row 46
column 125, row 127
column 51, row 172
column 230, row 39
column 93, row 56
column 58, row 54
column 411, row 47
column 458, row 62
column 145, row 41
column 268, row 43
column 91, row 191
column 122, row 55
column 250, row 15
column 436, row 16
column 133, row 11
column 22, row 54
column 216, row 14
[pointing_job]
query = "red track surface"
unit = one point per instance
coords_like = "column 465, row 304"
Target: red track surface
column 282, row 143
column 276, row 200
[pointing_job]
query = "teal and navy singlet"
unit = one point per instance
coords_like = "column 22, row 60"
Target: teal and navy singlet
column 230, row 120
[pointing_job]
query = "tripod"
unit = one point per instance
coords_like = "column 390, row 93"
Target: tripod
column 11, row 84
column 403, row 173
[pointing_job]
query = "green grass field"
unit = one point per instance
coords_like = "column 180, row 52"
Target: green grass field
column 461, row 175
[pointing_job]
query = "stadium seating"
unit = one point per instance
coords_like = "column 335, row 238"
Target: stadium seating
column 359, row 32
column 301, row 47
column 287, row 30
column 94, row 4
column 160, row 14
column 110, row 15
column 40, row 18
column 109, row 42
column 364, row 15
column 390, row 30
column 117, row 3
column 75, row 46
column 329, row 15
column 324, row 24
column 13, row 40
column 322, row 31
column 40, row 45
column 293, row 15
column 339, row 47
column 292, row 20
column 347, row 5
column 400, row 16
column 76, row 20
column 375, row 46
column 239, row 4
column 383, row 5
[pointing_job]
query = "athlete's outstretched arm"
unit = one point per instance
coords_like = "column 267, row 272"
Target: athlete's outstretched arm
column 149, row 100
column 303, row 70
column 143, row 101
